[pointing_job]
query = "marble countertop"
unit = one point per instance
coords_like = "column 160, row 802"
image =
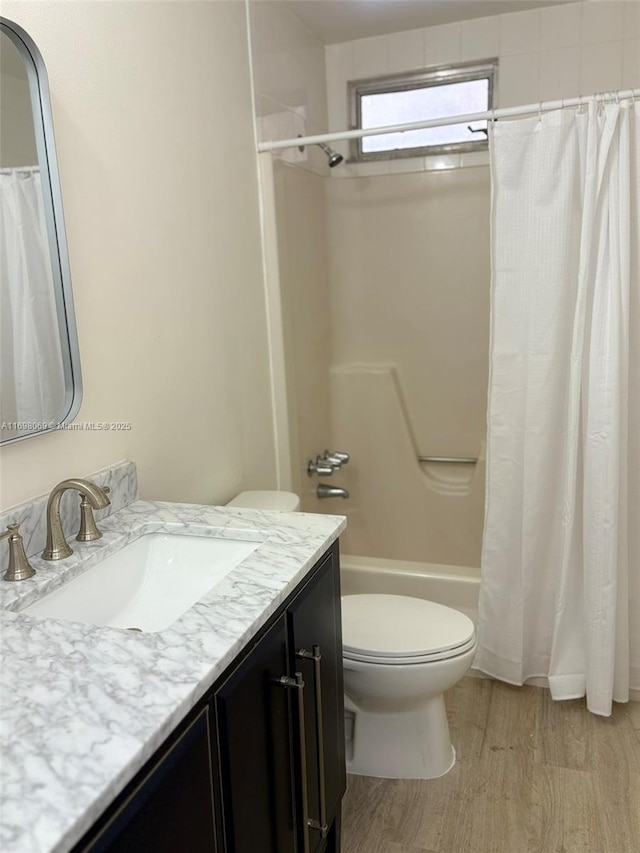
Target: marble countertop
column 82, row 707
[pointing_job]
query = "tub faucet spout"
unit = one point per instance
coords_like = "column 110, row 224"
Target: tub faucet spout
column 324, row 491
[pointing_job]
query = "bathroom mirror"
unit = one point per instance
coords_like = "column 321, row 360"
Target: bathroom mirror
column 40, row 382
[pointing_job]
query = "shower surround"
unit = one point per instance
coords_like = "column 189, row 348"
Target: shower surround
column 385, row 297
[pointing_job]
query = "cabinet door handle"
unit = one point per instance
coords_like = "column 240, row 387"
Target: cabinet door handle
column 297, row 684
column 316, row 657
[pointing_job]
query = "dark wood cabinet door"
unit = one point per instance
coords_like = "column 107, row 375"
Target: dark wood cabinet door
column 314, row 619
column 170, row 808
column 255, row 750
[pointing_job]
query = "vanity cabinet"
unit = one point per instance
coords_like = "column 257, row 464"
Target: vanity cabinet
column 255, row 757
column 259, row 765
column 280, row 723
column 170, row 806
column 314, row 621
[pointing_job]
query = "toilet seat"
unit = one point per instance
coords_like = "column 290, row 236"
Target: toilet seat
column 407, row 660
column 399, row 630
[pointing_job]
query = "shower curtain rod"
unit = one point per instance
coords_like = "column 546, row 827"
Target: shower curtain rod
column 489, row 115
column 10, row 170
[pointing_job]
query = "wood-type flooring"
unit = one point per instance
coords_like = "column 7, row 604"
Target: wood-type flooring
column 532, row 776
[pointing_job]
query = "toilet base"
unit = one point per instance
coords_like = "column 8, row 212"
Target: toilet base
column 413, row 744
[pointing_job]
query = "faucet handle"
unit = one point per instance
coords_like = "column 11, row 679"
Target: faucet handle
column 321, row 467
column 19, row 568
column 89, row 531
column 332, row 460
column 341, row 455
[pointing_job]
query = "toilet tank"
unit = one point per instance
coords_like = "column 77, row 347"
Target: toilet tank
column 282, row 501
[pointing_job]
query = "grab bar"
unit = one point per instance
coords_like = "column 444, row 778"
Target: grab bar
column 468, row 460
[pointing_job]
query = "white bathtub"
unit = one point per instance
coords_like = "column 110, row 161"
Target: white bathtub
column 454, row 586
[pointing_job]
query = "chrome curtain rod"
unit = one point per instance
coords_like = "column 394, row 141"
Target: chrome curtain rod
column 489, row 115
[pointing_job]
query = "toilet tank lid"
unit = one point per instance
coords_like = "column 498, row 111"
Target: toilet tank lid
column 399, row 626
column 282, row 501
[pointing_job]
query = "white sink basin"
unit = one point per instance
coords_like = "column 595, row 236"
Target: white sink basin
column 148, row 584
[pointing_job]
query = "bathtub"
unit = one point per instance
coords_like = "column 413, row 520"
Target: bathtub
column 454, row 586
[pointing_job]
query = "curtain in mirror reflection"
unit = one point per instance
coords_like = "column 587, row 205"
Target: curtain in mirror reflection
column 31, row 378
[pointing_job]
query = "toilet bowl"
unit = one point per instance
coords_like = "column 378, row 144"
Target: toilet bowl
column 400, row 655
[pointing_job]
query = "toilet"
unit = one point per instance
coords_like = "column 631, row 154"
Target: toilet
column 400, row 655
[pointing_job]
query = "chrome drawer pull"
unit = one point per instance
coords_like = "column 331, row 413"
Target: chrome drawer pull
column 316, row 657
column 297, row 684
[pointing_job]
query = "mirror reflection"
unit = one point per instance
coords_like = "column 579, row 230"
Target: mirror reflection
column 37, row 333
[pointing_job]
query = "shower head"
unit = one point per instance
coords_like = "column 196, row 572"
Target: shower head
column 334, row 157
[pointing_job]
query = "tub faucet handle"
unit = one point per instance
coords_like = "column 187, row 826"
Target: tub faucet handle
column 340, row 455
column 320, row 467
column 331, row 459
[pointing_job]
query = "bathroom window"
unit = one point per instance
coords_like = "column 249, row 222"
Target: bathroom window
column 438, row 93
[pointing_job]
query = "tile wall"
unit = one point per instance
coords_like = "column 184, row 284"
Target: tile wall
column 545, row 54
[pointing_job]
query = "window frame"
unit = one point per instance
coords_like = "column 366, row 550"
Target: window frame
column 440, row 75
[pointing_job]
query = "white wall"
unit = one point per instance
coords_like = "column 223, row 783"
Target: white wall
column 290, row 98
column 409, row 284
column 289, row 80
column 304, row 286
column 545, row 54
column 410, row 274
column 154, row 129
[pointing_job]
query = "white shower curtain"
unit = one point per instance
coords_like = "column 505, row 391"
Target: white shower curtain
column 31, row 378
column 560, row 595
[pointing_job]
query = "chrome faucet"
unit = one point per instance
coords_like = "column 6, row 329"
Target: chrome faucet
column 57, row 547
column 324, row 491
column 325, row 465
